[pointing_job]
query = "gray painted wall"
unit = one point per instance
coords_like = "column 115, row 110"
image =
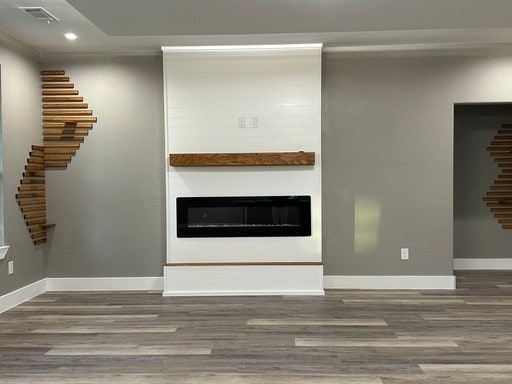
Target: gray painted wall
column 387, row 164
column 109, row 205
column 21, row 127
column 476, row 233
column 387, row 157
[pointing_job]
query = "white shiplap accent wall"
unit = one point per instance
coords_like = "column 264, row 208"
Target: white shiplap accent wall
column 206, row 91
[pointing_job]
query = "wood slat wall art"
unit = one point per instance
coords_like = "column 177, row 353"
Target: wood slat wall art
column 66, row 120
column 499, row 197
column 241, row 159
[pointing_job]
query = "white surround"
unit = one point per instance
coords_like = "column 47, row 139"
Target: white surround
column 206, row 90
column 229, row 280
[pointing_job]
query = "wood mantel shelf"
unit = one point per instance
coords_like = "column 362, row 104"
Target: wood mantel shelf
column 241, row 159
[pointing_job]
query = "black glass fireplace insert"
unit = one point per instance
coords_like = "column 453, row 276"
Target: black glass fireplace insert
column 243, row 216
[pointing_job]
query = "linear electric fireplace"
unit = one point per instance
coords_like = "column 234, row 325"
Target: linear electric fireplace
column 243, row 216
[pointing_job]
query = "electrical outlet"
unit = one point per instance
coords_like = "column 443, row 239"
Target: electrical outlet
column 241, row 122
column 10, row 267
column 404, row 254
column 253, row 122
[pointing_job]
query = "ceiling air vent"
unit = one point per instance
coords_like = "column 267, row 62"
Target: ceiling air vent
column 39, row 13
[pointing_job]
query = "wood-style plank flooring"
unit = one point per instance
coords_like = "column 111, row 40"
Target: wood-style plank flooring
column 371, row 337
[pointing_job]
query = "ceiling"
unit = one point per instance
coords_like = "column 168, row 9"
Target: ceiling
column 137, row 26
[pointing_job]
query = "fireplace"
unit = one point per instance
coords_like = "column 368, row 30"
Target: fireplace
column 243, row 216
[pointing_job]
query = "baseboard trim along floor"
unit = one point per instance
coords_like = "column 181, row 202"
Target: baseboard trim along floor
column 470, row 264
column 21, row 295
column 389, row 282
column 157, row 284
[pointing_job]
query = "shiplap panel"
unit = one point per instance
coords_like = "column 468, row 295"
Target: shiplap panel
column 237, row 91
column 206, row 93
column 268, row 122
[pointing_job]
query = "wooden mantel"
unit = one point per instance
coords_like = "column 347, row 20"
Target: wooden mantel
column 241, row 159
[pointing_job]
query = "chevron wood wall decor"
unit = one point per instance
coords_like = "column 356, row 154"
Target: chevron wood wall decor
column 66, row 121
column 499, row 198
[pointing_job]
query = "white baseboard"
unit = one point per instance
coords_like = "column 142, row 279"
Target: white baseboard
column 460, row 264
column 105, row 284
column 240, row 280
column 21, row 295
column 389, row 282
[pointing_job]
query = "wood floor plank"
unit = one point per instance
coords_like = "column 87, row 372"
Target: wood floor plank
column 311, row 322
column 126, row 350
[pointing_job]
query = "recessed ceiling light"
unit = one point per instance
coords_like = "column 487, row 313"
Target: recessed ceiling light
column 70, row 36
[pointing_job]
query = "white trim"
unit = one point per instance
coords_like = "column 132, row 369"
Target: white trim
column 243, row 280
column 21, row 295
column 3, row 251
column 105, row 284
column 196, row 48
column 459, row 264
column 244, row 293
column 389, row 282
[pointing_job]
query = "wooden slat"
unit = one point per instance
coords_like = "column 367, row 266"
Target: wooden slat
column 40, row 241
column 37, row 147
column 497, row 148
column 501, row 187
column 497, row 198
column 67, row 145
column 30, row 195
column 35, row 228
column 503, row 159
column 62, row 99
column 501, row 193
column 34, row 167
column 53, row 72
column 35, row 221
column 61, row 151
column 241, row 159
column 505, row 165
column 32, row 181
column 64, row 105
column 33, row 174
column 65, row 112
column 57, row 85
column 53, row 92
column 69, row 118
column 63, row 138
column 34, row 215
column 506, row 126
column 67, row 125
column 46, row 226
column 35, row 160
column 505, row 181
column 59, row 164
column 37, row 153
column 38, row 235
column 33, row 208
column 502, row 221
column 505, row 176
column 53, row 157
column 65, row 131
column 506, row 226
column 503, row 215
column 55, row 79
column 26, row 202
column 31, row 187
column 501, row 142
column 507, row 209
